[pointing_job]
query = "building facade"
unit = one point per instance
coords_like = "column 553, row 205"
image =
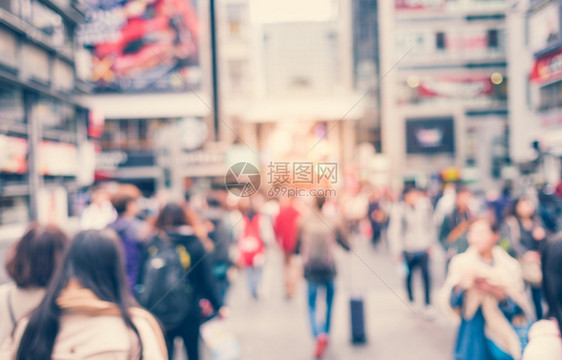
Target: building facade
column 535, row 50
column 288, row 81
column 444, row 89
column 151, row 86
column 45, row 157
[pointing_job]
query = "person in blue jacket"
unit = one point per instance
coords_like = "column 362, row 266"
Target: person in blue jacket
column 484, row 289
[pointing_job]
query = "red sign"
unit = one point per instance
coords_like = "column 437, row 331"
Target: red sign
column 95, row 124
column 547, row 68
column 418, row 4
column 456, row 87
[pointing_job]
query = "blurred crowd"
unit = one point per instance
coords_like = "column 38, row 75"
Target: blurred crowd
column 143, row 272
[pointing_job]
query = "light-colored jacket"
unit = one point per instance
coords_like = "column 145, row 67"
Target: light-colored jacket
column 545, row 342
column 93, row 329
column 22, row 302
column 505, row 272
column 411, row 228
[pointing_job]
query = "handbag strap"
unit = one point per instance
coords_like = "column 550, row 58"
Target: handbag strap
column 10, row 307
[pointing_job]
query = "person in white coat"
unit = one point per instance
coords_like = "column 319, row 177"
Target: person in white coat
column 545, row 342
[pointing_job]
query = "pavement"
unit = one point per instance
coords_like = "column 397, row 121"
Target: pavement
column 275, row 328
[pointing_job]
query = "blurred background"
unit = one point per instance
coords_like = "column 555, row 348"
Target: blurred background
column 168, row 94
column 157, row 92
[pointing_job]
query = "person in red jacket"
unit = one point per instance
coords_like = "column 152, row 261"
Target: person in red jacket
column 286, row 228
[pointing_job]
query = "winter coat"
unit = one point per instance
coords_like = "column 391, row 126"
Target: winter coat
column 504, row 272
column 21, row 301
column 545, row 342
column 93, row 329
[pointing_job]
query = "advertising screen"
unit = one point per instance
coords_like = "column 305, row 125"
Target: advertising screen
column 430, row 136
column 143, row 45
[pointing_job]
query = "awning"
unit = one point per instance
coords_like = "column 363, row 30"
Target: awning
column 146, row 106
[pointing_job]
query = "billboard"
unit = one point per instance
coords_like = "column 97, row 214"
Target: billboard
column 430, row 136
column 143, row 45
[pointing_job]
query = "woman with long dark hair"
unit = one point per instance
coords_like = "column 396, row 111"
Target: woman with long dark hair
column 526, row 235
column 545, row 342
column 175, row 224
column 30, row 264
column 87, row 311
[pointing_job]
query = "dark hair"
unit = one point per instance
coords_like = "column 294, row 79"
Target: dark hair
column 512, row 210
column 33, row 259
column 408, row 189
column 461, row 189
column 171, row 216
column 94, row 259
column 120, row 201
column 319, row 202
column 552, row 278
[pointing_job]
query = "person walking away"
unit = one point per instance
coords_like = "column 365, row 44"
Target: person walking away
column 255, row 231
column 131, row 231
column 318, row 235
column 222, row 238
column 411, row 236
column 176, row 303
column 88, row 311
column 545, row 342
column 453, row 230
column 30, row 264
column 286, row 228
column 484, row 290
column 377, row 217
column 526, row 237
column 549, row 209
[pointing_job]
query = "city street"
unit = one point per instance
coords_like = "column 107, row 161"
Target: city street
column 275, row 328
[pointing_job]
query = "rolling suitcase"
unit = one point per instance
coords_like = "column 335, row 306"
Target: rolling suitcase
column 358, row 335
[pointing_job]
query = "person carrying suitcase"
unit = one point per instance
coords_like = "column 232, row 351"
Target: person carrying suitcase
column 318, row 236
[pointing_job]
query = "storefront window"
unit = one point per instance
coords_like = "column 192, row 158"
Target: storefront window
column 55, row 115
column 551, row 96
column 11, row 105
column 131, row 134
column 14, row 210
column 49, row 23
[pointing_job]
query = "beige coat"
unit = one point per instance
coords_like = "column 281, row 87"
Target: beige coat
column 506, row 273
column 91, row 328
column 545, row 342
column 22, row 301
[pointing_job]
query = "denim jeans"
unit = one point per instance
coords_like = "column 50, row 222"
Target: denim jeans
column 313, row 287
column 418, row 259
column 254, row 279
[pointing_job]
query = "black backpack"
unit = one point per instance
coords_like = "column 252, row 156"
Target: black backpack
column 163, row 287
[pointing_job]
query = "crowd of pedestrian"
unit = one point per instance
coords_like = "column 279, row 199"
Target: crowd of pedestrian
column 135, row 279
